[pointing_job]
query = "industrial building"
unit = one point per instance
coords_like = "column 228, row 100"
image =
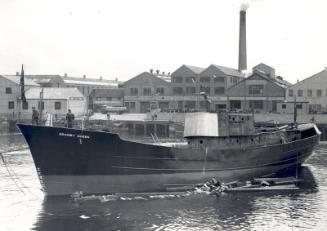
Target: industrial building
column 10, row 95
column 313, row 90
column 260, row 92
column 55, row 101
column 146, row 91
column 190, row 84
column 84, row 84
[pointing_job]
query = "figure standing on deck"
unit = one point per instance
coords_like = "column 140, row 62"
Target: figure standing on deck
column 70, row 118
column 35, row 116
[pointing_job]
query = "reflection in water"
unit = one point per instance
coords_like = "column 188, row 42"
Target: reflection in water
column 301, row 210
column 230, row 211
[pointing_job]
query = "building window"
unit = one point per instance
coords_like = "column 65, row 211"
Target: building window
column 309, row 92
column 190, row 105
column 25, row 105
column 255, row 89
column 219, row 90
column 205, row 89
column 147, row 91
column 256, row 104
column 283, row 106
column 319, row 93
column 40, row 105
column 190, row 90
column 8, row 90
column 177, row 79
column 190, row 80
column 235, row 104
column 205, row 79
column 160, row 91
column 290, row 92
column 132, row 105
column 300, row 93
column 219, row 79
column 177, row 90
column 134, row 91
column 11, row 105
column 299, row 106
column 57, row 105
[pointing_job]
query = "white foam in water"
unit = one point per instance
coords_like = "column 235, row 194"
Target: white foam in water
column 84, row 216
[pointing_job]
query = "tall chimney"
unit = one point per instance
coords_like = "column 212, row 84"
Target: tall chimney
column 242, row 42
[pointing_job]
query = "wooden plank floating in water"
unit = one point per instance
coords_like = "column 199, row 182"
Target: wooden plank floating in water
column 268, row 184
column 291, row 187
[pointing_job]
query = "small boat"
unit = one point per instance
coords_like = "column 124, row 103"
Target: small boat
column 224, row 146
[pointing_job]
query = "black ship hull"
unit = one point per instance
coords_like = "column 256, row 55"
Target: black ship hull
column 94, row 162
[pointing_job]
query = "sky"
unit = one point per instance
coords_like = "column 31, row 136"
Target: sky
column 122, row 38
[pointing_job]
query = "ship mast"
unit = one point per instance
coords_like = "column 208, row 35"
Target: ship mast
column 295, row 112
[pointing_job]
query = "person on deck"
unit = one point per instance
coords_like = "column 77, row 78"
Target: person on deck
column 35, row 116
column 70, row 118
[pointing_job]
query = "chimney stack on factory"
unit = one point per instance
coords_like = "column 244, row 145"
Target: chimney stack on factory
column 242, row 63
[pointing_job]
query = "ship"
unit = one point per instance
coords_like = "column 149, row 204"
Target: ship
column 224, row 146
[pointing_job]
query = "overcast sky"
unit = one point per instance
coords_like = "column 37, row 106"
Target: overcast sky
column 122, row 38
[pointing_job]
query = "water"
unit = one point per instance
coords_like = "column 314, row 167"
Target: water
column 23, row 207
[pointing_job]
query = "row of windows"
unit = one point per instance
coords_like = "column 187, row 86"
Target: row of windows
column 130, row 105
column 108, row 99
column 40, row 106
column 147, row 91
column 308, row 91
column 298, row 106
column 203, row 79
column 192, row 90
column 253, row 104
column 181, row 104
column 256, row 90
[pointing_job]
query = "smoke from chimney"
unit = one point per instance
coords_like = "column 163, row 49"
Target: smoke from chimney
column 244, row 6
column 242, row 59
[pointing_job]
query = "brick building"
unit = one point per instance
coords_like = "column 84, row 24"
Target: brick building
column 260, row 92
column 146, row 91
column 188, row 82
column 313, row 90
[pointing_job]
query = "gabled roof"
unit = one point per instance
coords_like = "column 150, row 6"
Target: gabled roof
column 229, row 71
column 322, row 74
column 53, row 93
column 16, row 79
column 263, row 64
column 196, row 70
column 147, row 78
column 282, row 81
column 278, row 82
